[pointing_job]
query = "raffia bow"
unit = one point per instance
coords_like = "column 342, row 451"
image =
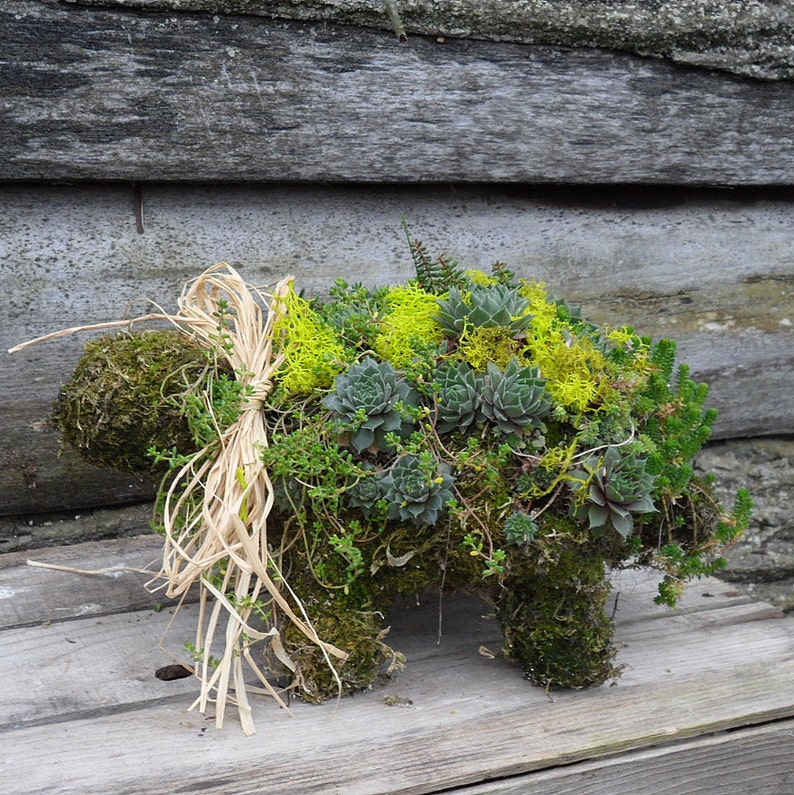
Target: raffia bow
column 230, row 485
column 236, row 497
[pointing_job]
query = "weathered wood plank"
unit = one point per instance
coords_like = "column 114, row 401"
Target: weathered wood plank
column 74, row 527
column 110, row 94
column 71, row 595
column 471, row 719
column 756, row 760
column 712, row 269
column 92, row 664
column 122, row 590
column 750, row 40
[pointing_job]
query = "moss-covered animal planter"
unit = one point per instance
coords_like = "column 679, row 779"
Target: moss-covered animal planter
column 462, row 430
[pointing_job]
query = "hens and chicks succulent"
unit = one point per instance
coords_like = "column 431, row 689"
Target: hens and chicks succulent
column 373, row 407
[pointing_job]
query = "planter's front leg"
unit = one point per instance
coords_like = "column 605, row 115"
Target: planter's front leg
column 552, row 615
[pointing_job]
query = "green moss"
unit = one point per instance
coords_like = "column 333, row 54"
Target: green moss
column 552, row 615
column 408, row 326
column 359, row 633
column 312, row 351
column 120, row 400
column 481, row 501
column 479, row 346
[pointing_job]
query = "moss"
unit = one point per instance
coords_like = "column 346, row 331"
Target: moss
column 479, row 346
column 409, row 326
column 525, row 519
column 552, row 615
column 577, row 372
column 358, row 632
column 118, row 402
column 312, row 351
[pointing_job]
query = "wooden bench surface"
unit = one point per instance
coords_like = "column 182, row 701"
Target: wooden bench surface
column 705, row 704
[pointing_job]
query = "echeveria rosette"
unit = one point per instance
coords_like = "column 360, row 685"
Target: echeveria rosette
column 459, row 399
column 485, row 306
column 367, row 492
column 520, row 529
column 515, row 398
column 619, row 487
column 366, row 401
column 417, row 490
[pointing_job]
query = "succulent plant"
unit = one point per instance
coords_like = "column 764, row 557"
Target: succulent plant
column 417, row 489
column 485, row 306
column 520, row 529
column 366, row 400
column 459, row 397
column 620, row 486
column 367, row 492
column 515, row 397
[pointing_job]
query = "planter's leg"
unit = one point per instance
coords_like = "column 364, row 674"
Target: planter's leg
column 552, row 616
column 358, row 633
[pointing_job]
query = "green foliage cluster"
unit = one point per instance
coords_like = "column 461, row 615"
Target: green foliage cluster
column 479, row 432
column 466, row 429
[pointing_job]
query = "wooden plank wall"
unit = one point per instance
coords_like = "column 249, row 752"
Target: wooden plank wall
column 93, row 93
column 712, row 270
column 332, row 135
column 732, row 35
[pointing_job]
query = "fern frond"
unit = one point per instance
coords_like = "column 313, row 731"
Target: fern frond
column 433, row 276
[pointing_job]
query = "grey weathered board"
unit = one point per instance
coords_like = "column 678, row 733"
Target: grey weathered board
column 712, row 269
column 747, row 39
column 705, row 704
column 91, row 93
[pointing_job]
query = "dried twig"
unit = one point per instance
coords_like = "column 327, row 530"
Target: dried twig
column 396, row 21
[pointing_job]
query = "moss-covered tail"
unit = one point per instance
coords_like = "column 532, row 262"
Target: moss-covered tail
column 552, row 615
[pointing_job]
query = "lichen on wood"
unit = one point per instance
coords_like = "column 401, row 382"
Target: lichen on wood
column 750, row 39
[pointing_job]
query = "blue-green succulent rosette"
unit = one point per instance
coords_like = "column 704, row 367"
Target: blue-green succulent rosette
column 417, row 489
column 619, row 487
column 370, row 401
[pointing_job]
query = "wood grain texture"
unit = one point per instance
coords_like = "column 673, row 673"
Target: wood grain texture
column 110, row 94
column 756, row 760
column 749, row 39
column 52, row 529
column 69, row 594
column 82, row 712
